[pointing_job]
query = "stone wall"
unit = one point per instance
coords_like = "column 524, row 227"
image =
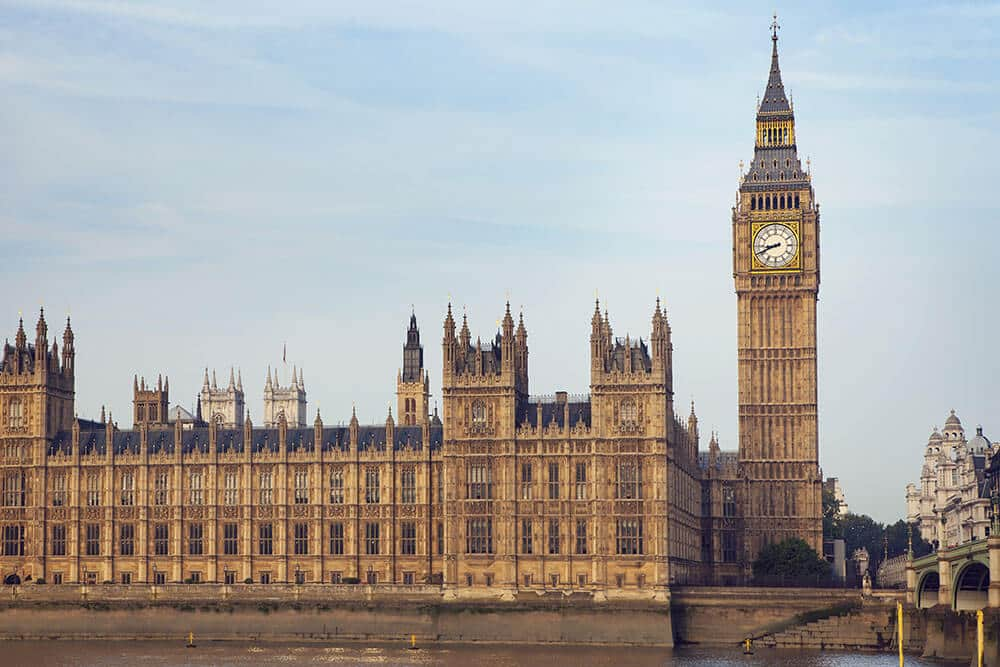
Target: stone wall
column 727, row 615
column 322, row 613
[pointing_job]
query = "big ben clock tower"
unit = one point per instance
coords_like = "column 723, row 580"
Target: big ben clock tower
column 776, row 271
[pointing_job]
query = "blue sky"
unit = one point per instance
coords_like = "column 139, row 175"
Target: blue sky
column 201, row 183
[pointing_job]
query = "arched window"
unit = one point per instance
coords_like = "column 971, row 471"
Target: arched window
column 753, row 203
column 15, row 413
column 760, row 203
column 782, row 201
column 628, row 411
column 796, row 201
column 478, row 413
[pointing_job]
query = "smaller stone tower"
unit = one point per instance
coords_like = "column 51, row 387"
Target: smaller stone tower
column 151, row 406
column 413, row 384
column 224, row 407
column 289, row 401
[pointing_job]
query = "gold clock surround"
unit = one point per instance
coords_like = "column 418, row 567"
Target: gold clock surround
column 757, row 223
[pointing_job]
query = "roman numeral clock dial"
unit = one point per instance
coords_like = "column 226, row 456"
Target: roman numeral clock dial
column 775, row 246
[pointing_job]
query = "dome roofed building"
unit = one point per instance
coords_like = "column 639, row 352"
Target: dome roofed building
column 951, row 505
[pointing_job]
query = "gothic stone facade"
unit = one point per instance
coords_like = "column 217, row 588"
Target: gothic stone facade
column 605, row 493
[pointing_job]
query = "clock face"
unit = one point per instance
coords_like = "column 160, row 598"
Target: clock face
column 775, row 245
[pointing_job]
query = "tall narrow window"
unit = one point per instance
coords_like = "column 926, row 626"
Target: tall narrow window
column 479, row 536
column 553, row 481
column 581, row 536
column 93, row 539
column 93, row 489
column 337, row 486
column 628, row 536
column 372, row 492
column 128, row 488
column 195, row 535
column 59, row 539
column 526, row 475
column 408, row 485
column 231, row 493
column 554, row 536
column 629, row 480
column 479, row 481
column 59, row 489
column 15, row 414
column 301, row 486
column 527, row 543
column 581, row 481
column 728, row 546
column 230, row 539
column 126, row 541
column 440, row 540
column 728, row 501
column 371, row 539
column 337, row 538
column 266, row 488
column 161, row 539
column 440, row 484
column 408, row 538
column 265, row 539
column 160, row 486
column 301, row 544
column 13, row 540
column 196, row 493
column 13, row 489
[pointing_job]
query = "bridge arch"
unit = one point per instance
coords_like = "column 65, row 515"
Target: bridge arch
column 927, row 589
column 972, row 585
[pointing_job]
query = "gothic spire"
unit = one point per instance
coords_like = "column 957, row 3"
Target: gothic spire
column 774, row 100
column 239, row 380
column 20, row 341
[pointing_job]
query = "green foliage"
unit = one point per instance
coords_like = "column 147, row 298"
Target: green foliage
column 831, row 521
column 860, row 530
column 791, row 558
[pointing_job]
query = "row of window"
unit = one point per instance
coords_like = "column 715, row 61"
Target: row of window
column 13, row 489
column 13, row 539
column 773, row 202
column 479, row 485
column 478, row 536
column 627, row 483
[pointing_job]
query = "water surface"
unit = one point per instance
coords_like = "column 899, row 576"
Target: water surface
column 172, row 654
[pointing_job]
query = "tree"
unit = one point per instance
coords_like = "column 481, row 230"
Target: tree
column 831, row 515
column 860, row 530
column 792, row 558
column 898, row 537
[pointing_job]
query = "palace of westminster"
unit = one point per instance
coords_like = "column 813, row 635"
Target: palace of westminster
column 610, row 493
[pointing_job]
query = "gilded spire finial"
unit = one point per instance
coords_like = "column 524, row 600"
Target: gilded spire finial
column 775, row 27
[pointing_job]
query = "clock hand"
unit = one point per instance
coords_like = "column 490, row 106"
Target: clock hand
column 772, row 246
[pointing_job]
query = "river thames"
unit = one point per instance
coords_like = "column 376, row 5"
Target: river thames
column 158, row 653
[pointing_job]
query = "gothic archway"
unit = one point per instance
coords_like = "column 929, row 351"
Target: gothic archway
column 12, row 580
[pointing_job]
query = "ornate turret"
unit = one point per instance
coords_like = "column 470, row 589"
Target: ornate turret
column 68, row 352
column 223, row 407
column 412, row 381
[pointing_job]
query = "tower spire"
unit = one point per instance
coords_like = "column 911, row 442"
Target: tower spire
column 774, row 95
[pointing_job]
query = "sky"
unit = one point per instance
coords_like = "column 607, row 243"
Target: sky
column 205, row 184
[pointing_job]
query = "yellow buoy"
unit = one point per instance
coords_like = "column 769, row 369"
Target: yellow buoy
column 190, row 643
column 413, row 642
column 748, row 646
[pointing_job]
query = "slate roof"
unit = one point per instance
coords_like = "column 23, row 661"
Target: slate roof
column 233, row 441
column 774, row 100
